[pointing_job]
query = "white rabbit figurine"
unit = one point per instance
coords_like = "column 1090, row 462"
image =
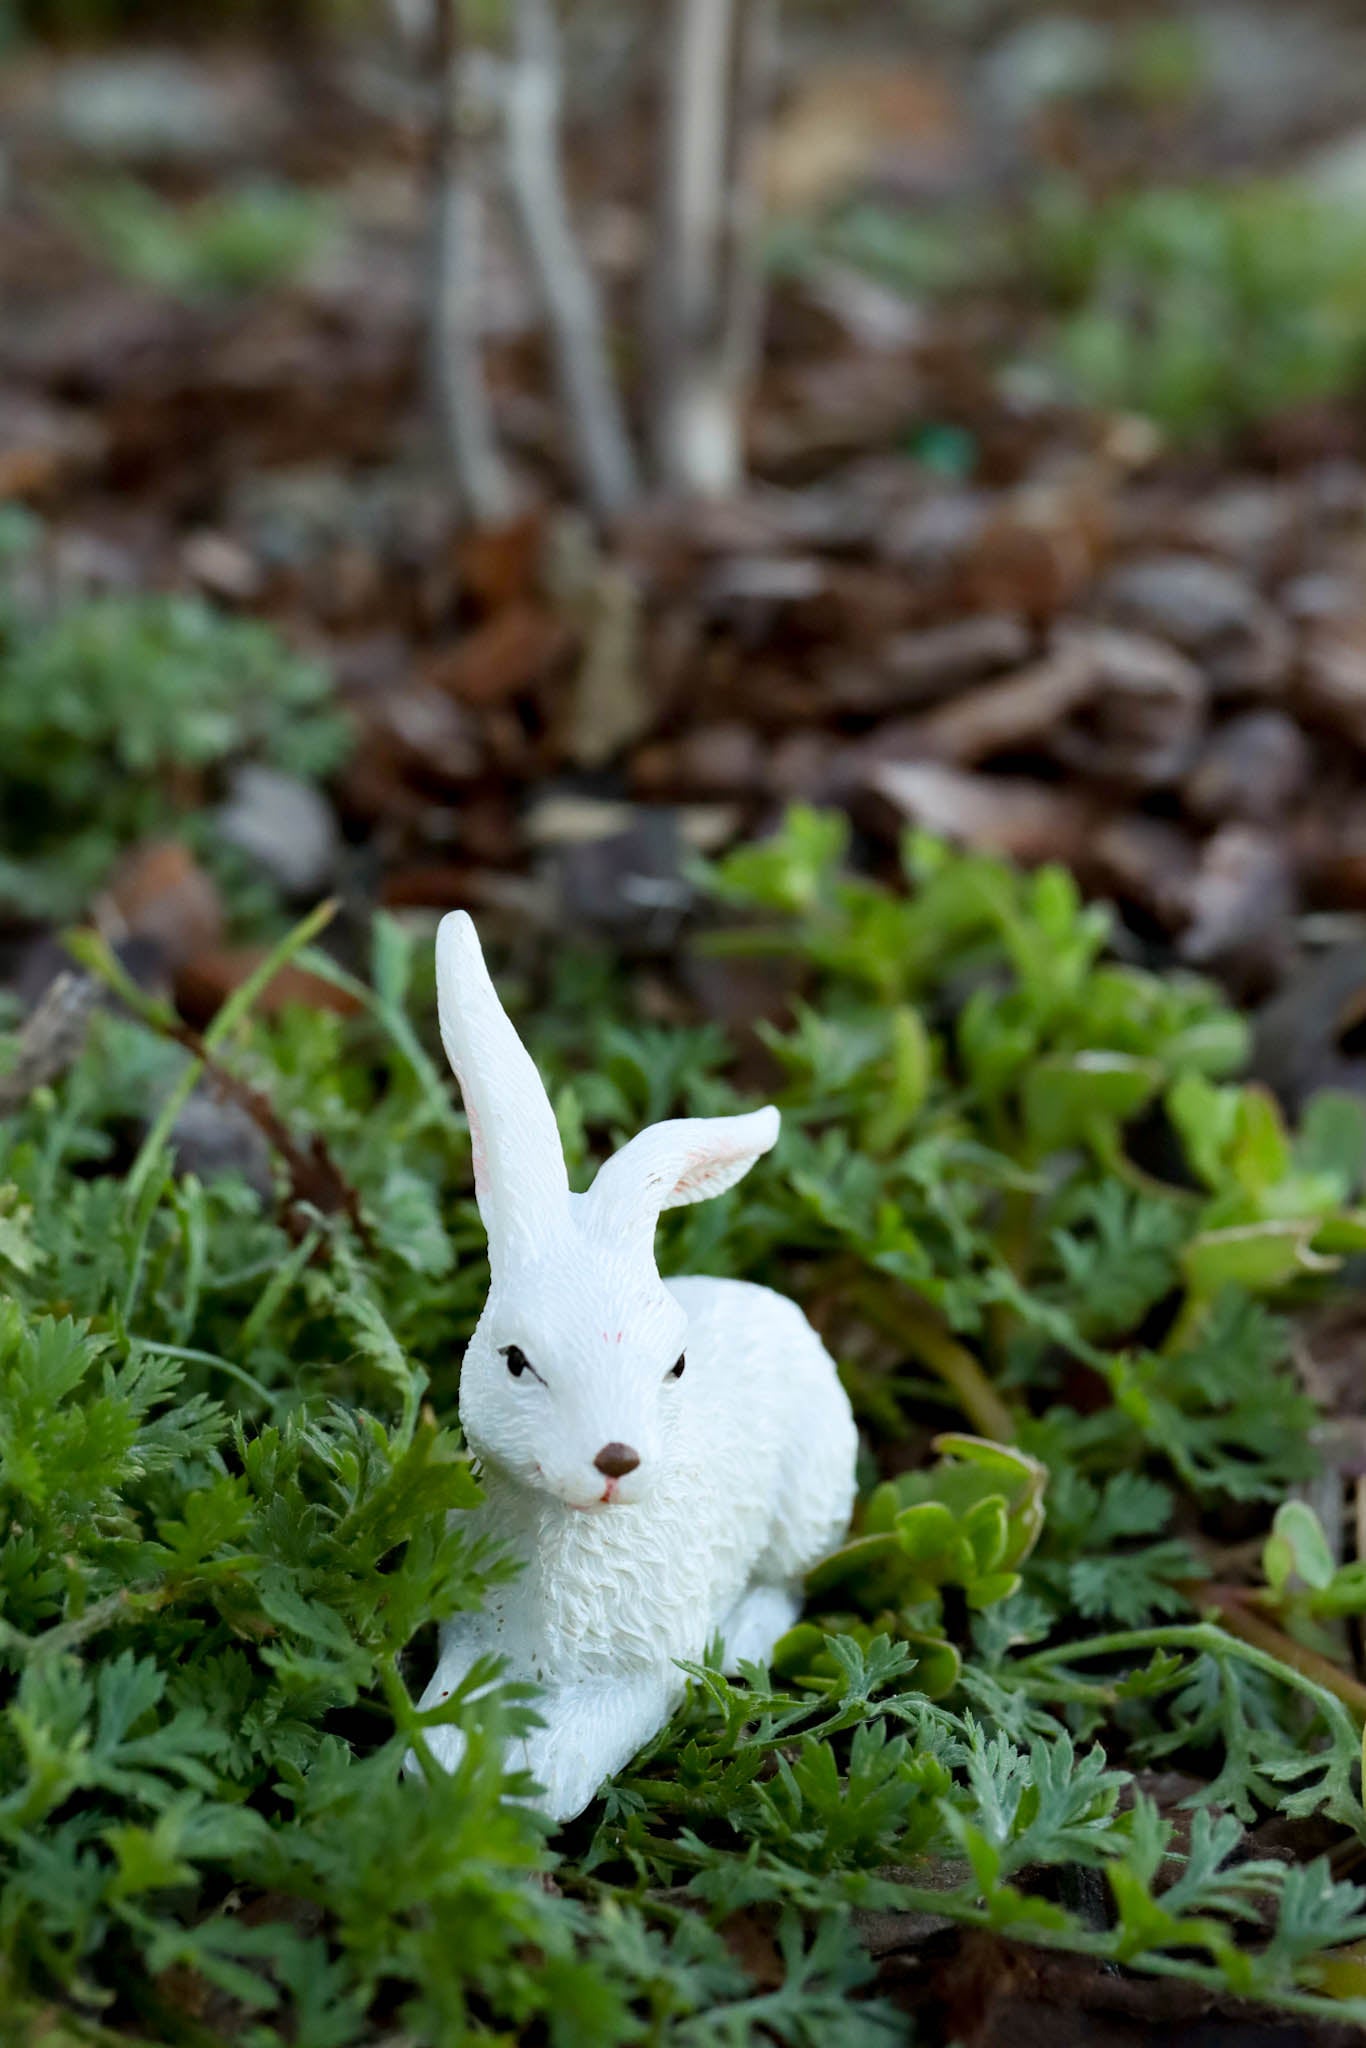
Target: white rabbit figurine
column 666, row 1459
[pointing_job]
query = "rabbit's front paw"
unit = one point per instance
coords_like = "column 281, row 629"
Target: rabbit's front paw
column 447, row 1747
column 568, row 1773
column 591, row 1731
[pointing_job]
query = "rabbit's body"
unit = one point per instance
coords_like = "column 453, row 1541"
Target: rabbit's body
column 637, row 1588
column 664, row 1461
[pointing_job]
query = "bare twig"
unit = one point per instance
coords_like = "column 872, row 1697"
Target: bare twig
column 692, row 448
column 316, row 1182
column 602, row 448
column 52, row 1038
column 742, row 287
column 412, row 19
column 705, row 290
column 456, row 356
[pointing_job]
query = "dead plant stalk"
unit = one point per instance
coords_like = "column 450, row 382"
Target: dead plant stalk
column 596, row 422
column 482, row 482
column 705, row 290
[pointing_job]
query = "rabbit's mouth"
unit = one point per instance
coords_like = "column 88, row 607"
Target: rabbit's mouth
column 610, row 1497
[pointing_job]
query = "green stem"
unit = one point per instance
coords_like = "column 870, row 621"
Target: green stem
column 191, row 1356
column 1013, row 1245
column 955, row 1365
column 1110, row 1153
column 1205, row 1639
column 951, row 1362
column 1241, row 1620
column 91, row 952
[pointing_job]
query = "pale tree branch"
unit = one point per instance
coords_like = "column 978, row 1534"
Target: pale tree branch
column 706, row 297
column 691, row 448
column 595, row 418
column 742, row 291
column 412, row 20
column 455, row 342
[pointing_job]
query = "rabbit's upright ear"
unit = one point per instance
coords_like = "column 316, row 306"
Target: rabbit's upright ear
column 519, row 1172
column 671, row 1164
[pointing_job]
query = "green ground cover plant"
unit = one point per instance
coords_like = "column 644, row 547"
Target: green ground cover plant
column 1054, row 1242
column 244, row 238
column 1207, row 309
column 110, row 700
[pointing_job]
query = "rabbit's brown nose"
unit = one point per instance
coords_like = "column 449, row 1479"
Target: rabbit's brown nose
column 614, row 1461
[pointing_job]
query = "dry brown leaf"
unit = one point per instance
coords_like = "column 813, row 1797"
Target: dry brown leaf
column 204, row 983
column 1011, row 816
column 516, row 649
column 160, row 892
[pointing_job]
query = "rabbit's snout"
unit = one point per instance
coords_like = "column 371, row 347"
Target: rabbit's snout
column 614, row 1461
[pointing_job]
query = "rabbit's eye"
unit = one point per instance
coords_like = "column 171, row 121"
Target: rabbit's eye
column 518, row 1362
column 675, row 1372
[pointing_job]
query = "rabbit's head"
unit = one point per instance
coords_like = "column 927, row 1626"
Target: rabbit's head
column 575, row 1381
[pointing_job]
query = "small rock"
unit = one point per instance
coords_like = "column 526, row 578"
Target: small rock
column 1143, row 717
column 751, row 594
column 807, row 767
column 435, row 735
column 1337, row 173
column 221, row 565
column 1336, row 488
column 1242, row 904
column 43, row 446
column 285, row 825
column 720, row 760
column 1248, row 521
column 924, row 666
column 43, row 961
column 1309, row 1035
column 625, row 879
column 1185, row 598
column 1264, row 67
column 1333, row 678
column 709, row 828
column 1211, row 612
column 1144, row 862
column 1331, row 847
column 1318, row 594
column 212, row 1138
column 871, row 315
column 52, row 1039
column 1054, row 57
column 1254, row 768
column 930, row 536
column 152, row 104
column 563, row 817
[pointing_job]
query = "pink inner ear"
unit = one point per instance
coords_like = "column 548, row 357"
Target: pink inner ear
column 701, row 1170
column 478, row 1156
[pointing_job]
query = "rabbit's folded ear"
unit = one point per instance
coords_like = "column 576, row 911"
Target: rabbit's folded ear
column 671, row 1164
column 519, row 1171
